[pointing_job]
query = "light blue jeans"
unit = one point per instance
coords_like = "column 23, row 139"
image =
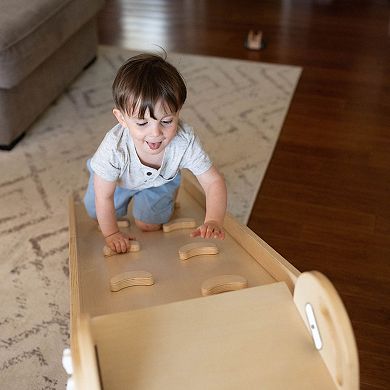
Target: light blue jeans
column 154, row 205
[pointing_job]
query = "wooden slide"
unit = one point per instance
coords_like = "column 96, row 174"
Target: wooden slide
column 185, row 313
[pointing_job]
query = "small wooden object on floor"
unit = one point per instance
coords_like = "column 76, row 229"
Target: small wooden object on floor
column 197, row 249
column 134, row 247
column 179, row 223
column 131, row 278
column 254, row 40
column 223, row 283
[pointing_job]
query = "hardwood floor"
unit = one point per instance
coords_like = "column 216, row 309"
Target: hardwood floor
column 325, row 201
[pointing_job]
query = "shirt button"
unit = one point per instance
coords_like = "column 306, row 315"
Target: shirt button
column 148, row 173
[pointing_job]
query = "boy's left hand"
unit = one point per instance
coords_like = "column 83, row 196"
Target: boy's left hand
column 210, row 229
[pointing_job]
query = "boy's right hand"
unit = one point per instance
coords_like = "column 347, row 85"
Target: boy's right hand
column 119, row 241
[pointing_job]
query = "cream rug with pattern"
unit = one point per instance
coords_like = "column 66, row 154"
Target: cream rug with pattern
column 237, row 108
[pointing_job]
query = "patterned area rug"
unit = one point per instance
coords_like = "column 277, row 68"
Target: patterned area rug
column 237, row 107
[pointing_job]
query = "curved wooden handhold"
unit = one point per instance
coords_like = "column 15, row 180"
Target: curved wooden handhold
column 134, row 247
column 122, row 223
column 197, row 248
column 324, row 314
column 179, row 223
column 223, row 283
column 131, row 278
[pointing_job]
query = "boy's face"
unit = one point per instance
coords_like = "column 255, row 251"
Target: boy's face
column 150, row 136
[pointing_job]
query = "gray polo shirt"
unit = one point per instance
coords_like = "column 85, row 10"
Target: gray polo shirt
column 116, row 159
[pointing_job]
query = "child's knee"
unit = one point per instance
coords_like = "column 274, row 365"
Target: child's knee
column 147, row 227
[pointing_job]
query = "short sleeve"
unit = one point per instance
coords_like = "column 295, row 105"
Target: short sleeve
column 106, row 160
column 195, row 158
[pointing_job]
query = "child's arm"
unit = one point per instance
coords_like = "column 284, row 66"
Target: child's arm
column 105, row 211
column 214, row 187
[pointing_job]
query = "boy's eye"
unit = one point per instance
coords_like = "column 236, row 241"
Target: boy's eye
column 167, row 122
column 142, row 124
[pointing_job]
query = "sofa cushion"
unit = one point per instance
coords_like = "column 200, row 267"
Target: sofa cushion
column 31, row 30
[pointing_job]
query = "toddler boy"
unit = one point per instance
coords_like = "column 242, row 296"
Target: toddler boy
column 142, row 155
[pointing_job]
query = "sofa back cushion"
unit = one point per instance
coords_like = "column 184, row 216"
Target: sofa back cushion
column 31, row 30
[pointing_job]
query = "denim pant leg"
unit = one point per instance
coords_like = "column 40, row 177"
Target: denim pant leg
column 156, row 204
column 89, row 197
column 122, row 197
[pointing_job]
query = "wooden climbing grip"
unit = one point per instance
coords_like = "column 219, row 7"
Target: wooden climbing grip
column 131, row 278
column 197, row 249
column 223, row 283
column 134, row 247
column 179, row 223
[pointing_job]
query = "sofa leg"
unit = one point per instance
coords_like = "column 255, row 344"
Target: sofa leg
column 90, row 63
column 10, row 146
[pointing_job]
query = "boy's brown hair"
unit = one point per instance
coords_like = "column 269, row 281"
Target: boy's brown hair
column 145, row 79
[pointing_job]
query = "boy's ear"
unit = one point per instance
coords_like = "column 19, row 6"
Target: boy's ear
column 120, row 117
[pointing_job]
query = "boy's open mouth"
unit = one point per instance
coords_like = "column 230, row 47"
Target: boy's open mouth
column 154, row 145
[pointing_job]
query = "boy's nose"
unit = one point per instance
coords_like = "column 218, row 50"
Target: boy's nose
column 156, row 129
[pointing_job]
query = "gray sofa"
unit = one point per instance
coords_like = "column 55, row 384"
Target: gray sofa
column 44, row 45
